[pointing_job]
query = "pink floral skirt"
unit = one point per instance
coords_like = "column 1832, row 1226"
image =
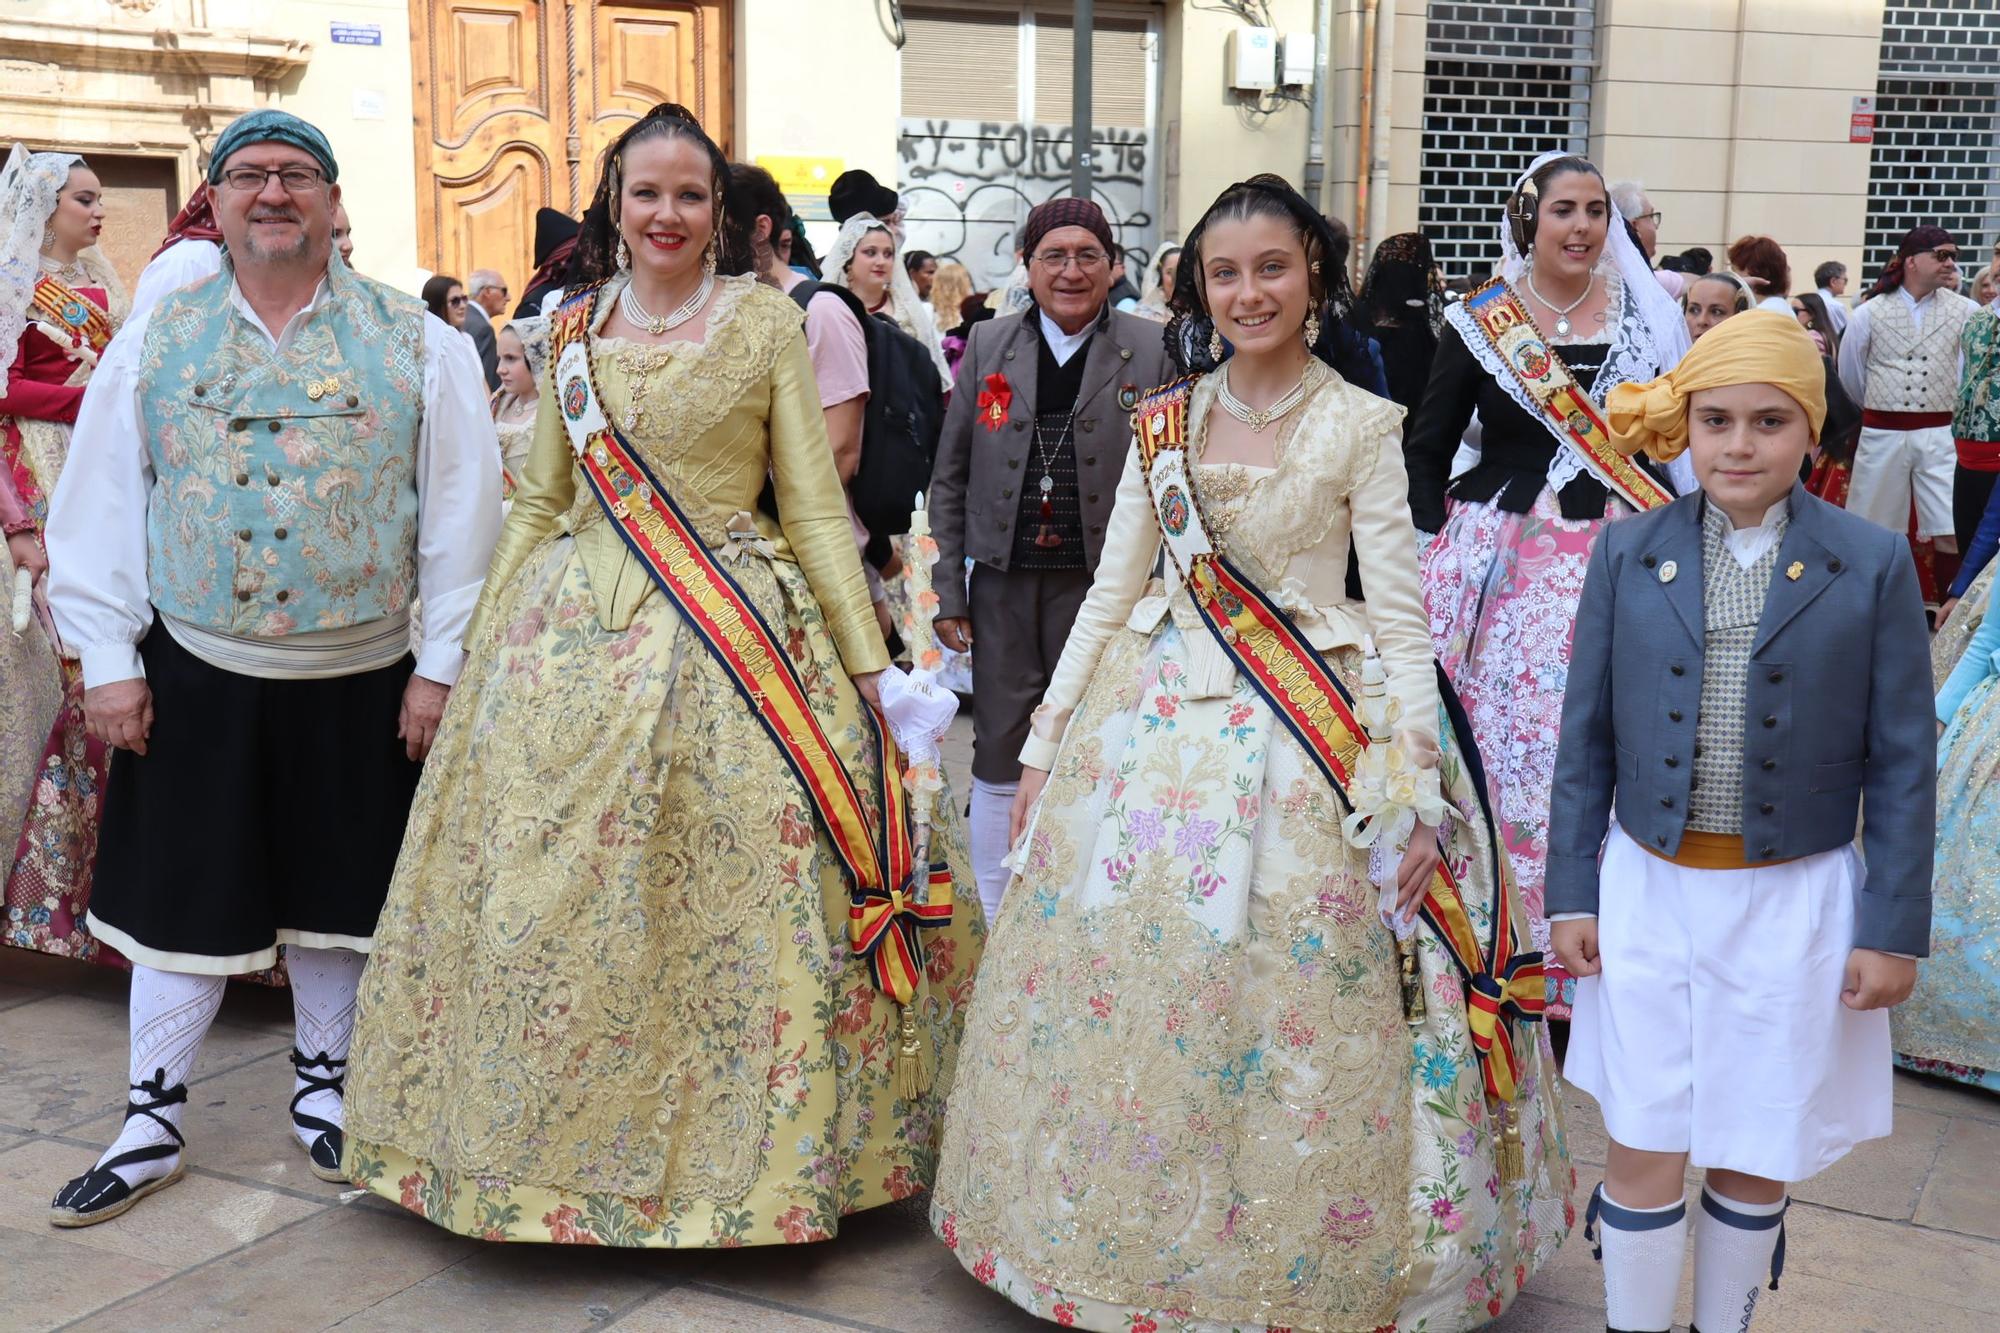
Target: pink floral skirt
column 1502, row 592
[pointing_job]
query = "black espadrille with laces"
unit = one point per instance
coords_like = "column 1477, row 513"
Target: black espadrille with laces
column 100, row 1194
column 324, row 1151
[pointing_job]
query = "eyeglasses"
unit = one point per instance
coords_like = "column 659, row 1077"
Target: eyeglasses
column 458, row 300
column 250, row 180
column 1087, row 261
column 1655, row 217
column 1945, row 254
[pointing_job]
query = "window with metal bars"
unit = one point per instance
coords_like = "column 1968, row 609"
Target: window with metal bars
column 1503, row 83
column 985, row 132
column 1936, row 156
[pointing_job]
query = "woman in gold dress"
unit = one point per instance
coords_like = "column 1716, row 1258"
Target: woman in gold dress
column 1199, row 1092
column 612, row 999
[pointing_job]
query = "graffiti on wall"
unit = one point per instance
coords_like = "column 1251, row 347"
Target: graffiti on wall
column 967, row 186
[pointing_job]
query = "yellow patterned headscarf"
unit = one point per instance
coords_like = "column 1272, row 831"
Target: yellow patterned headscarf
column 1756, row 347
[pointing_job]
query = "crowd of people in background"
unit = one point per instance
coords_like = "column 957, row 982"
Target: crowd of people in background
column 1399, row 309
column 1382, row 699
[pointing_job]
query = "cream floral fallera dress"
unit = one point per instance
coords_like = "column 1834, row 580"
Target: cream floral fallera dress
column 611, row 1000
column 1189, row 1097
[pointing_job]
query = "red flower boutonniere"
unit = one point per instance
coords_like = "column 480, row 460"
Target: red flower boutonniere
column 994, row 400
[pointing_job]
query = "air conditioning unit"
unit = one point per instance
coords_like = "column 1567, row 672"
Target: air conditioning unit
column 1298, row 53
column 1252, row 55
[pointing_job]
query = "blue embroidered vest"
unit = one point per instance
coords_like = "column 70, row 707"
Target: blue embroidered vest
column 284, row 492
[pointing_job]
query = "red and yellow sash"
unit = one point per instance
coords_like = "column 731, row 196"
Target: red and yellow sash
column 1508, row 327
column 883, row 928
column 889, row 907
column 1503, row 982
column 75, row 315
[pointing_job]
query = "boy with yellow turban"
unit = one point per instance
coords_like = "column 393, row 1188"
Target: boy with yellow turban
column 1750, row 665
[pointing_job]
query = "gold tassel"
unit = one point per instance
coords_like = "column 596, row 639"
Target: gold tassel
column 1413, row 983
column 1512, row 1156
column 913, row 1077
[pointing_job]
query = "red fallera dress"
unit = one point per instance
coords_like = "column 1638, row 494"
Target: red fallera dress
column 55, row 798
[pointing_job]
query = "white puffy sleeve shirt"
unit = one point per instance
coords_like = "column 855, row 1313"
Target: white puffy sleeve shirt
column 182, row 264
column 97, row 518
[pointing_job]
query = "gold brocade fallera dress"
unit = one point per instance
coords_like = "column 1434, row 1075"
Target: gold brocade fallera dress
column 1189, row 1099
column 611, row 1000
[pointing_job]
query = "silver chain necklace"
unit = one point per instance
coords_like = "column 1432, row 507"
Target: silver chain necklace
column 1257, row 419
column 641, row 318
column 1562, row 312
column 1046, row 536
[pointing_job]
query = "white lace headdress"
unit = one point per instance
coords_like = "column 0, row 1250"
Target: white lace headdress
column 910, row 313
column 1665, row 328
column 30, row 184
column 1648, row 339
column 534, row 335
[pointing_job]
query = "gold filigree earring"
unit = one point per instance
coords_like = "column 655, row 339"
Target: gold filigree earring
column 624, row 257
column 1312, row 330
column 1214, row 343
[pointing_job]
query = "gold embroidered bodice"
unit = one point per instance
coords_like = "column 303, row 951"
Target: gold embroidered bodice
column 712, row 419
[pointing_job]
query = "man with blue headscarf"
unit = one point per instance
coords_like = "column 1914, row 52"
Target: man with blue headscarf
column 273, row 466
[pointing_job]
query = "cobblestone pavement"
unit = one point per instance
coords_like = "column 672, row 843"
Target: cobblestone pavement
column 1904, row 1234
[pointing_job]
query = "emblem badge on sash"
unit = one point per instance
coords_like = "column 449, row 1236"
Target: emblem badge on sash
column 579, row 405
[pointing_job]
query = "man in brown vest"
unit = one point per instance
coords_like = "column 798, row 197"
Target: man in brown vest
column 1027, row 469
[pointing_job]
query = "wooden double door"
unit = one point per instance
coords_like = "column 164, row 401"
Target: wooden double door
column 516, row 101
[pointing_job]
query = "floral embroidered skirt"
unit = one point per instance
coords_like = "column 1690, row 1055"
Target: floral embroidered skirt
column 51, row 772
column 1189, row 1097
column 1950, row 1025
column 1502, row 590
column 1954, row 633
column 611, row 1000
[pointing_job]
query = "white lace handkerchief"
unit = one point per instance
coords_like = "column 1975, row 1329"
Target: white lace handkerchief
column 920, row 710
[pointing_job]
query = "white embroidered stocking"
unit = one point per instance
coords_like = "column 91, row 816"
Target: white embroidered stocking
column 1734, row 1245
column 987, row 832
column 1643, row 1252
column 171, row 1013
column 324, row 982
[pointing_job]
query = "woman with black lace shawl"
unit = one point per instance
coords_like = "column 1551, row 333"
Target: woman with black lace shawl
column 1513, row 534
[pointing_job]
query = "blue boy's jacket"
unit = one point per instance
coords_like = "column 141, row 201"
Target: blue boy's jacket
column 1837, row 709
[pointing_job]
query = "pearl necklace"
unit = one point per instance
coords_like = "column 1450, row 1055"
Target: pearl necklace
column 1562, row 312
column 1258, row 419
column 73, row 273
column 641, row 318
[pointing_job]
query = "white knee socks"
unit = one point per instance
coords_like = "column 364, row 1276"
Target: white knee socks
column 324, row 982
column 1642, row 1253
column 992, row 803
column 171, row 1012
column 1734, row 1247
